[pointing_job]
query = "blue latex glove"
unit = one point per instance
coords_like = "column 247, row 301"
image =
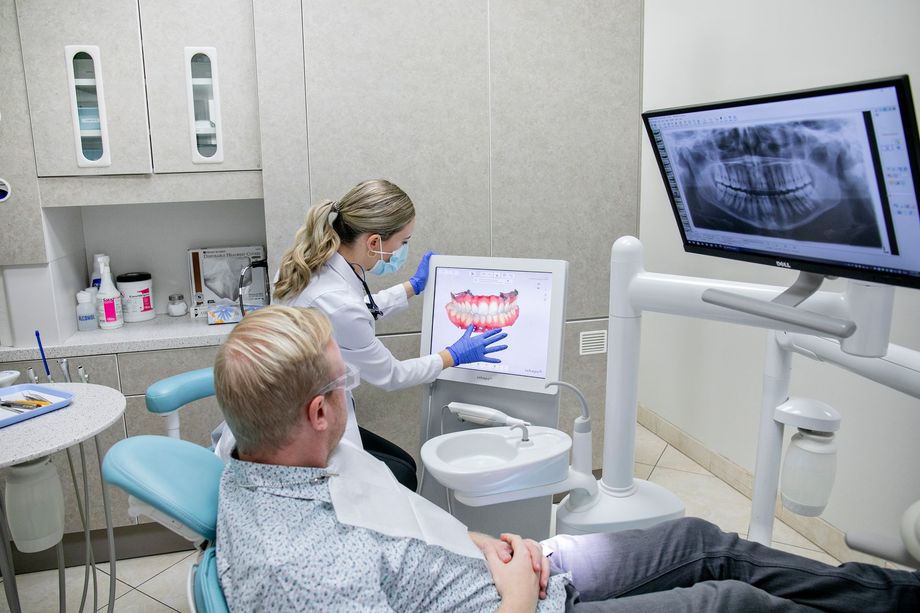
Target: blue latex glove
column 469, row 348
column 420, row 279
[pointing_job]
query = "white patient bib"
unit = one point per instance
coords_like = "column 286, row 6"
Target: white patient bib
column 365, row 494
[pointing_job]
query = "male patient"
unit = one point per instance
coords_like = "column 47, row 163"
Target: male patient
column 307, row 523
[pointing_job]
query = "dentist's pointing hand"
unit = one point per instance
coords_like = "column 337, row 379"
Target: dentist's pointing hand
column 419, row 280
column 469, row 348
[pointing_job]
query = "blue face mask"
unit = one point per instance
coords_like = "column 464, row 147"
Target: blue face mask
column 397, row 259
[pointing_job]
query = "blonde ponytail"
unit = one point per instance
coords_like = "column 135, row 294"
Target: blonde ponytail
column 314, row 244
column 375, row 207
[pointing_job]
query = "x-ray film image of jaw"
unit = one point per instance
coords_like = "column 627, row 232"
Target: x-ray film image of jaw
column 798, row 179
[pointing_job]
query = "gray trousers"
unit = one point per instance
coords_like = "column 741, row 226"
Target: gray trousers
column 690, row 565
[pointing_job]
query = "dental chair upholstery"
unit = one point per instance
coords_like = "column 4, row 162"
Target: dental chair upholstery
column 167, row 396
column 180, row 480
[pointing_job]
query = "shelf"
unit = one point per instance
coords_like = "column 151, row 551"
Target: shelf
column 84, row 82
column 84, row 133
column 162, row 332
column 202, row 81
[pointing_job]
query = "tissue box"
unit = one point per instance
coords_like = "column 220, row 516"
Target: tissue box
column 223, row 314
column 215, row 278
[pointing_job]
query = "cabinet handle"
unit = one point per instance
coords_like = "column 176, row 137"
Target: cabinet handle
column 87, row 105
column 4, row 190
column 203, row 105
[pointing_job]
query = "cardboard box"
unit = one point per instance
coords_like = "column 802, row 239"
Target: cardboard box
column 215, row 277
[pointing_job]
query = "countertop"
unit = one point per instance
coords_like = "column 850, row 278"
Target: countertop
column 162, row 332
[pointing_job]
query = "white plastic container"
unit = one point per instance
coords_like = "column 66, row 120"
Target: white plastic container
column 109, row 313
column 86, row 312
column 136, row 296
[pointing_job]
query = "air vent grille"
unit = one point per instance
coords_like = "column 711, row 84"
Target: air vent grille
column 591, row 342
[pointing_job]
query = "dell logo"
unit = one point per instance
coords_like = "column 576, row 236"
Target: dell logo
column 783, row 264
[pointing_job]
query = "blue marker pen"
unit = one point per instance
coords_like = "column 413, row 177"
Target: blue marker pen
column 41, row 350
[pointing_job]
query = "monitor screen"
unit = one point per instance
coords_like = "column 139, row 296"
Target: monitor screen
column 824, row 180
column 523, row 297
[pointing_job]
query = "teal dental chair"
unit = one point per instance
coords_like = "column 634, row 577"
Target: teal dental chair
column 175, row 482
column 180, row 480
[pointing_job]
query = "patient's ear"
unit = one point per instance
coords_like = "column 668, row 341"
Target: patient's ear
column 316, row 413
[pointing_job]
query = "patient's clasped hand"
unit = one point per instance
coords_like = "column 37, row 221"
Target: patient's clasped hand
column 308, row 524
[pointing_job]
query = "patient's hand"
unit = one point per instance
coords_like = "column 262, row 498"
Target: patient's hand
column 516, row 581
column 540, row 562
column 486, row 543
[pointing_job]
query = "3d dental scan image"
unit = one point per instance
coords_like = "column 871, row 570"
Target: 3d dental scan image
column 483, row 312
column 518, row 302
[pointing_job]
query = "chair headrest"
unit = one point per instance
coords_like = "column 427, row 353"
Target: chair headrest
column 172, row 393
column 177, row 477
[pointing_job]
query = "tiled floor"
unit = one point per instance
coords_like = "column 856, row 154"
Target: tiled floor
column 157, row 584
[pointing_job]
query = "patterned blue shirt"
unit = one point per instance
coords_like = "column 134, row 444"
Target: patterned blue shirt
column 280, row 547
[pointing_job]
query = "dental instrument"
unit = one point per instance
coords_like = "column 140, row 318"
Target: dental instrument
column 484, row 416
column 83, row 376
column 30, row 372
column 62, row 362
column 41, row 350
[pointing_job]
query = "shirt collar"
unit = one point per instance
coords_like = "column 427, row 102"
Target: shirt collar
column 346, row 271
column 286, row 481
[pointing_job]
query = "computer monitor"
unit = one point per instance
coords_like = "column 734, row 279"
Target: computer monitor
column 824, row 180
column 524, row 297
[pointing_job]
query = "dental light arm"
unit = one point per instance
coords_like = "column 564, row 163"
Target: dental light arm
column 484, row 416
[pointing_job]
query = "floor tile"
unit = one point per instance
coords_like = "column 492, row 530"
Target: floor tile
column 672, row 458
column 648, row 446
column 136, row 601
column 169, row 587
column 39, row 591
column 712, row 499
column 642, row 471
column 136, row 571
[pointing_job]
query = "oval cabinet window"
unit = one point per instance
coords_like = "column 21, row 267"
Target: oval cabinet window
column 87, row 106
column 204, row 105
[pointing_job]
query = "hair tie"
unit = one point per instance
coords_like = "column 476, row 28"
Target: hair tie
column 333, row 213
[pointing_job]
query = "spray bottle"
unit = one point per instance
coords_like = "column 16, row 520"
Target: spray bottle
column 95, row 279
column 109, row 312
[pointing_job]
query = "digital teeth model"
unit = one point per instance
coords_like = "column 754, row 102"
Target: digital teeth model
column 484, row 312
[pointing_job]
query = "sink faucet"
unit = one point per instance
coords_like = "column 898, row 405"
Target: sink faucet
column 523, row 427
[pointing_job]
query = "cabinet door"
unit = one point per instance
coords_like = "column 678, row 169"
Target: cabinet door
column 85, row 78
column 201, row 85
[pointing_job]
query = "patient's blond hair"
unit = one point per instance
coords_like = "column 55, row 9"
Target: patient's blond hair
column 375, row 206
column 267, row 370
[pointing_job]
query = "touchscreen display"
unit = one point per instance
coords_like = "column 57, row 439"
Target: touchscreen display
column 516, row 301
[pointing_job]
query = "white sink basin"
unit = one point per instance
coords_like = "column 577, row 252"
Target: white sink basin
column 494, row 460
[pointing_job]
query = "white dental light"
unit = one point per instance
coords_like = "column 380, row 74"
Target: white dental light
column 810, row 464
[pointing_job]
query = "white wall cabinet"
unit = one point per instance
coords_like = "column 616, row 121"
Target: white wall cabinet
column 109, row 32
column 92, row 83
column 201, row 85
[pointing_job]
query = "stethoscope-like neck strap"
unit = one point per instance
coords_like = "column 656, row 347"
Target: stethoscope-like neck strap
column 371, row 305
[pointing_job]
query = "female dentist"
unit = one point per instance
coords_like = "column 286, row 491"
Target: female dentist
column 368, row 230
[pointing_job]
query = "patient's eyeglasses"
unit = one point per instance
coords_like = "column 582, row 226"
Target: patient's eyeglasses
column 348, row 381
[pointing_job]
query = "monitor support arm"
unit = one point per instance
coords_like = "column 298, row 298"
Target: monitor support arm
column 633, row 290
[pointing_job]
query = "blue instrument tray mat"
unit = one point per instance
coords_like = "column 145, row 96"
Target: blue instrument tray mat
column 58, row 398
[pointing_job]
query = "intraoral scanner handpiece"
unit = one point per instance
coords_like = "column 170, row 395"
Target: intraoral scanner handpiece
column 484, row 416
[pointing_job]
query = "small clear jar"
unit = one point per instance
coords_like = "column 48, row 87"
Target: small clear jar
column 177, row 306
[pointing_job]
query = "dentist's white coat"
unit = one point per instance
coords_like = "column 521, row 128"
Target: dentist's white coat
column 336, row 290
